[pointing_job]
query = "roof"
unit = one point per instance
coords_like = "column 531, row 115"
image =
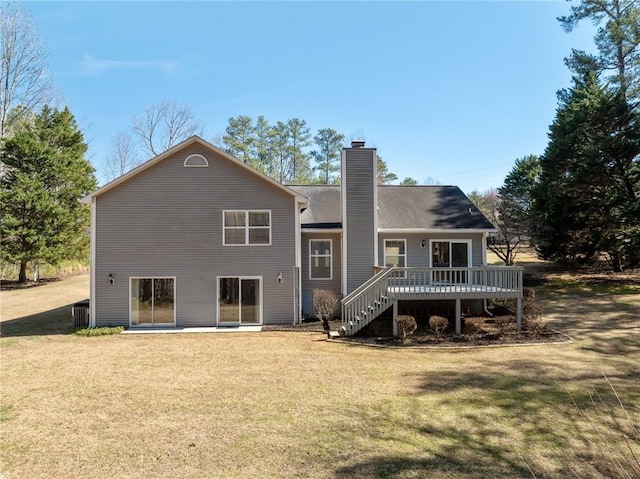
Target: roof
column 399, row 208
column 189, row 141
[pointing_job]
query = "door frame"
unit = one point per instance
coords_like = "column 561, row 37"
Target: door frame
column 240, row 278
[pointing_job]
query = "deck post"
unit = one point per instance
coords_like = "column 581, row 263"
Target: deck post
column 458, row 316
column 395, row 317
column 519, row 314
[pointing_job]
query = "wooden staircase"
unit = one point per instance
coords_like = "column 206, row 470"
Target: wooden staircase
column 366, row 303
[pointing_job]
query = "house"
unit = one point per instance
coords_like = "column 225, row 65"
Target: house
column 196, row 238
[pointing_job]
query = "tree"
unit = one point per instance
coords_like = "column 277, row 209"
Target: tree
column 587, row 201
column 617, row 40
column 385, row 177
column 512, row 216
column 46, row 174
column 239, row 138
column 299, row 139
column 122, row 157
column 408, row 181
column 327, row 154
column 165, row 125
column 25, row 81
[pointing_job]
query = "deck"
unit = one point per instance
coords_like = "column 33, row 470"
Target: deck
column 391, row 285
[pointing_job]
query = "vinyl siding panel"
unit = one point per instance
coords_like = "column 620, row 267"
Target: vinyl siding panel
column 168, row 221
column 358, row 190
column 419, row 257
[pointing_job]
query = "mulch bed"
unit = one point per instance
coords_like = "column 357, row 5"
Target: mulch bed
column 422, row 338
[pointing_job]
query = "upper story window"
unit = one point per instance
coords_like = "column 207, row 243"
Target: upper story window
column 247, row 227
column 395, row 253
column 320, row 264
column 196, row 161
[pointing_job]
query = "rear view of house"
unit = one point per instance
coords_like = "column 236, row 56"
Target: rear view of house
column 196, row 238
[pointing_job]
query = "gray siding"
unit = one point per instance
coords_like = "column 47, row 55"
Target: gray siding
column 360, row 213
column 308, row 285
column 419, row 257
column 167, row 221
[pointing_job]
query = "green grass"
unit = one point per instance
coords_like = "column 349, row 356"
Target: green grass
column 292, row 405
column 103, row 331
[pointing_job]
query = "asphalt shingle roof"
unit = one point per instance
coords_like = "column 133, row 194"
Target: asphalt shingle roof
column 399, row 207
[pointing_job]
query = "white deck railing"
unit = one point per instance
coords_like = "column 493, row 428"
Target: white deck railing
column 380, row 292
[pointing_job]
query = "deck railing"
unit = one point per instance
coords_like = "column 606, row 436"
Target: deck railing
column 377, row 294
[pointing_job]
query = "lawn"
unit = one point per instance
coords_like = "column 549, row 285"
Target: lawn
column 290, row 404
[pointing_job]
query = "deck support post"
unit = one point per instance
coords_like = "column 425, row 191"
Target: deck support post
column 519, row 314
column 395, row 317
column 458, row 316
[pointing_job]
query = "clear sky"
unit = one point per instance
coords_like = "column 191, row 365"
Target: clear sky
column 450, row 91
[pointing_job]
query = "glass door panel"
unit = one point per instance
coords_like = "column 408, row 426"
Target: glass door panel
column 141, row 302
column 229, row 301
column 163, row 304
column 459, row 259
column 250, row 301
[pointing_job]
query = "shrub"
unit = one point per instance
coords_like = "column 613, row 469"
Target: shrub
column 103, row 331
column 502, row 322
column 324, row 303
column 532, row 313
column 438, row 324
column 406, row 325
column 473, row 325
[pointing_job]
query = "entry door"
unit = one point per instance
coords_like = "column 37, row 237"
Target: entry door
column 450, row 254
column 239, row 301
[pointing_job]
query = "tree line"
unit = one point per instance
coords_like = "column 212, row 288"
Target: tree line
column 580, row 199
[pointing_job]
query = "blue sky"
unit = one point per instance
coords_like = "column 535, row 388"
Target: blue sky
column 451, row 91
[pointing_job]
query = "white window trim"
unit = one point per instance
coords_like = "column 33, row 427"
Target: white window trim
column 240, row 278
column 187, row 164
column 448, row 240
column 175, row 299
column 321, row 256
column 384, row 245
column 246, row 228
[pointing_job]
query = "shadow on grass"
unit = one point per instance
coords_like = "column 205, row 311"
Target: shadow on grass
column 506, row 419
column 55, row 321
column 10, row 285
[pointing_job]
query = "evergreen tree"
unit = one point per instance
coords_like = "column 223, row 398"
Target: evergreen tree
column 587, row 201
column 327, row 155
column 46, row 174
column 238, row 141
column 617, row 40
column 299, row 139
column 385, row 177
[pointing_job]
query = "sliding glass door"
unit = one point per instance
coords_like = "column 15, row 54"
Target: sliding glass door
column 450, row 254
column 239, row 301
column 152, row 301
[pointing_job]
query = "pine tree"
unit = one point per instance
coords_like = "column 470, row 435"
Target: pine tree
column 46, row 174
column 327, row 154
column 587, row 202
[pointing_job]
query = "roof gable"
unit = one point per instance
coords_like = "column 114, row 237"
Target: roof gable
column 194, row 140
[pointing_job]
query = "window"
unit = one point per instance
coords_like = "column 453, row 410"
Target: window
column 196, row 161
column 247, row 228
column 153, row 301
column 395, row 253
column 320, row 264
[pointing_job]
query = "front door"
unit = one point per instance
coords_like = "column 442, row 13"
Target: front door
column 239, row 301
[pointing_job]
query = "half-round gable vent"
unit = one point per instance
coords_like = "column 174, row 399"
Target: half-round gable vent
column 196, row 161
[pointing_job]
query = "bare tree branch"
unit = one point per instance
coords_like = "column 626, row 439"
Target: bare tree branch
column 25, row 81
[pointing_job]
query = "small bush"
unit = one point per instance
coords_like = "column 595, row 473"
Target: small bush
column 324, row 303
column 502, row 322
column 438, row 324
column 532, row 314
column 406, row 325
column 104, row 331
column 473, row 325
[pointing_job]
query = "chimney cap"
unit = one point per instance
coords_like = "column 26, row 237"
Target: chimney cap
column 357, row 143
